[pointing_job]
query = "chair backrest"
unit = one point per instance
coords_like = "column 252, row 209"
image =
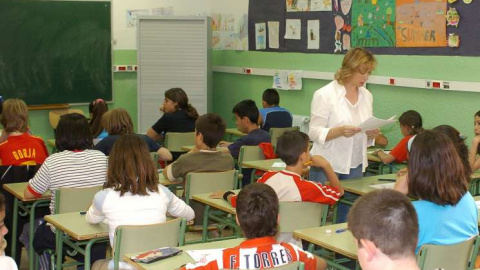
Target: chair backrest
column 449, row 257
column 291, row 266
column 137, row 238
column 154, row 156
column 54, row 115
column 277, row 132
column 301, row 215
column 74, row 199
column 175, row 140
column 249, row 153
column 204, row 182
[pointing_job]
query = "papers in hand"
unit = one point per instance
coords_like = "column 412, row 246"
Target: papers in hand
column 374, row 123
column 279, row 165
column 200, row 256
column 382, row 186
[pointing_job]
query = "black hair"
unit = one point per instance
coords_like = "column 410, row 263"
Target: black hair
column 73, row 133
column 413, row 120
column 247, row 108
column 271, row 97
column 291, row 145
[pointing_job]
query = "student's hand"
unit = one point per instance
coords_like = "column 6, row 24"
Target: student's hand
column 401, row 184
column 217, row 194
column 476, row 140
column 349, row 131
column 319, row 161
column 371, row 134
column 224, row 143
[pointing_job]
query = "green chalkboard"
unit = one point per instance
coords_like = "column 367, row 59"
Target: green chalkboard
column 55, row 51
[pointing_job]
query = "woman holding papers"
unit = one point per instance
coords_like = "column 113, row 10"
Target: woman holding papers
column 336, row 112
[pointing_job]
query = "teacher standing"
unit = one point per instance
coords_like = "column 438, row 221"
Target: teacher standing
column 336, row 111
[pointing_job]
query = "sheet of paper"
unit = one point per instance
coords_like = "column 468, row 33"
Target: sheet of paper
column 132, row 16
column 201, row 255
column 288, row 79
column 382, row 186
column 477, row 203
column 273, row 35
column 293, row 29
column 313, row 33
column 321, row 5
column 279, row 165
column 260, row 41
column 374, row 123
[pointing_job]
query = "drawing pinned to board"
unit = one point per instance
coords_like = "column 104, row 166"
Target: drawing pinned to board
column 321, row 5
column 346, row 6
column 342, row 20
column 346, row 42
column 373, row 23
column 132, row 16
column 163, row 11
column 287, row 79
column 229, row 32
column 273, row 35
column 293, row 29
column 453, row 18
column 313, row 32
column 297, row 5
column 421, row 23
column 453, row 40
column 260, row 42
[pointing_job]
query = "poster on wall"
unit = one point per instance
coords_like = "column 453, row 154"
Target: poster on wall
column 313, row 32
column 373, row 23
column 421, row 23
column 308, row 5
column 342, row 12
column 132, row 16
column 229, row 32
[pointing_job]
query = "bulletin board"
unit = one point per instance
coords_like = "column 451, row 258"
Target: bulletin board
column 263, row 11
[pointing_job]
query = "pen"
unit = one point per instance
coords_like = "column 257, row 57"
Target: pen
column 386, row 179
column 341, row 230
column 308, row 163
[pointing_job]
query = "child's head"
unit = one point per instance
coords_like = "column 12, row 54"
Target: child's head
column 176, row 99
column 246, row 114
column 14, row 116
column 476, row 123
column 3, row 227
column 410, row 123
column 386, row 220
column 357, row 60
column 270, row 98
column 117, row 122
column 73, row 133
column 257, row 210
column 130, row 167
column 209, row 129
column 291, row 146
column 459, row 142
column 435, row 171
column 97, row 109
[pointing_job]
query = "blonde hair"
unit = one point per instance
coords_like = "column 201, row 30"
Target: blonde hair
column 14, row 115
column 117, row 122
column 352, row 62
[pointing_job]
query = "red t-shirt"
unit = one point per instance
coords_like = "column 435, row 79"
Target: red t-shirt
column 23, row 149
column 400, row 150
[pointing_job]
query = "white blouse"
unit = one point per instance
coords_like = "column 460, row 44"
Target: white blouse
column 329, row 109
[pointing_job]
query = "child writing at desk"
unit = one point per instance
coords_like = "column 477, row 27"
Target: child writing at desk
column 410, row 125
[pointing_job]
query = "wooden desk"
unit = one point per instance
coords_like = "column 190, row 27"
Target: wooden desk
column 263, row 165
column 74, row 230
column 341, row 243
column 362, row 186
column 28, row 206
column 221, row 205
column 183, row 258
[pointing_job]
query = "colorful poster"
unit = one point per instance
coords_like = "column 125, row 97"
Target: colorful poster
column 321, row 5
column 287, row 79
column 273, row 35
column 229, row 32
column 163, row 11
column 313, row 32
column 421, row 23
column 293, row 29
column 260, row 41
column 297, row 5
column 342, row 12
column 132, row 16
column 373, row 23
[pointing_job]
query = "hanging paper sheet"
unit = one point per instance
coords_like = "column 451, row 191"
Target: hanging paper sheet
column 260, row 40
column 421, row 23
column 293, row 29
column 287, row 79
column 313, row 32
column 373, row 23
column 342, row 12
column 273, row 35
column 229, row 32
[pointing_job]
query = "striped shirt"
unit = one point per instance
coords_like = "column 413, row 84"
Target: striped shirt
column 69, row 169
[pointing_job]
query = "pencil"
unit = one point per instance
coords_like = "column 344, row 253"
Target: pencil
column 308, row 163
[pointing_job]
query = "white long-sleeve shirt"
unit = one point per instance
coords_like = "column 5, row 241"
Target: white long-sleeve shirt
column 329, row 109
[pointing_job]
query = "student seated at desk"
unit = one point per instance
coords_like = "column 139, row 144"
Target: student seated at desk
column 475, row 146
column 97, row 109
column 435, row 175
column 272, row 115
column 288, row 184
column 385, row 225
column 132, row 194
column 410, row 125
column 257, row 215
column 20, row 148
column 118, row 122
column 76, row 165
column 246, row 118
column 5, row 262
